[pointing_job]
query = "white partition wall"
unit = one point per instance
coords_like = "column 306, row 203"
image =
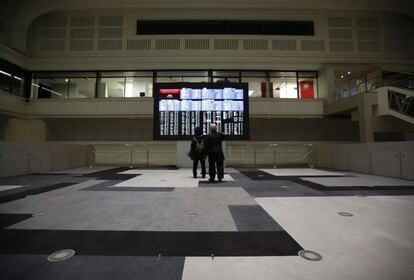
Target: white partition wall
column 407, row 160
column 392, row 159
column 20, row 158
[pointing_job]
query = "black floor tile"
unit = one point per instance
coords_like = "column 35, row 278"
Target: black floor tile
column 253, row 218
column 36, row 267
column 149, row 243
column 11, row 219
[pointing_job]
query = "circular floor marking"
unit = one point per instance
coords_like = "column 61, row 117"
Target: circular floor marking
column 310, row 255
column 61, row 255
column 345, row 214
column 192, row 215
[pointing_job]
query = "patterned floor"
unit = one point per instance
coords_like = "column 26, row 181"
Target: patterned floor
column 163, row 224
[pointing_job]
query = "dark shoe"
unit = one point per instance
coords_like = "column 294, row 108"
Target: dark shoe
column 211, row 180
column 204, row 176
column 194, row 176
column 219, row 180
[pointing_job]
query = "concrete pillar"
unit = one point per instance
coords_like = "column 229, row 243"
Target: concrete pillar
column 365, row 115
column 25, row 130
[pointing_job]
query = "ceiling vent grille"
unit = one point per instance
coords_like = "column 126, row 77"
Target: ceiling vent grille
column 110, row 33
column 81, row 45
column 47, row 46
column 284, row 45
column 341, row 46
column 82, row 21
column 197, row 44
column 109, row 45
column 226, row 44
column 81, row 33
column 313, row 45
column 138, row 44
column 111, row 21
column 340, row 34
column 53, row 33
column 255, row 44
column 167, row 44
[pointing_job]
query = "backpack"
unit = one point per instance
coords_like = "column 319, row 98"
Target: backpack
column 199, row 146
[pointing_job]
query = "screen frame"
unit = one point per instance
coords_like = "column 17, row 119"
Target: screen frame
column 156, row 113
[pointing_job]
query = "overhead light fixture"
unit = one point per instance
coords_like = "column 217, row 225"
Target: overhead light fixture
column 5, row 73
column 66, row 80
column 349, row 73
column 342, row 76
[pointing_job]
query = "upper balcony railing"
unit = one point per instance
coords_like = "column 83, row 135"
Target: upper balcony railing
column 365, row 84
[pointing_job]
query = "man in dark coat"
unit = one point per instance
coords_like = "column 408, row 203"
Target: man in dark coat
column 215, row 153
column 198, row 152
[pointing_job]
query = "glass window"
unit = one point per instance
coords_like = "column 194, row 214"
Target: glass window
column 169, row 79
column 17, row 84
column 257, row 86
column 50, row 87
column 82, row 87
column 182, row 73
column 111, row 87
column 5, row 80
column 284, row 87
column 225, row 80
column 138, row 87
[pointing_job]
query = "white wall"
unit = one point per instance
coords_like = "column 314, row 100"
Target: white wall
column 392, row 159
column 20, row 158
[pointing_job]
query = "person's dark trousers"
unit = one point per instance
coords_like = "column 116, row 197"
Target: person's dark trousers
column 220, row 169
column 203, row 167
column 213, row 164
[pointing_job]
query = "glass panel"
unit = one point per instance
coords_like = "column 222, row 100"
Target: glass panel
column 226, row 73
column 64, row 74
column 225, row 79
column 5, row 80
column 127, row 74
column 308, row 74
column 17, row 84
column 51, row 87
column 261, row 74
column 255, row 86
column 182, row 73
column 285, row 87
column 111, row 87
column 278, row 74
column 82, row 87
column 138, row 87
column 169, row 79
column 195, row 79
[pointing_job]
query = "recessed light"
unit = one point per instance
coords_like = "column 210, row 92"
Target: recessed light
column 342, row 76
column 349, row 73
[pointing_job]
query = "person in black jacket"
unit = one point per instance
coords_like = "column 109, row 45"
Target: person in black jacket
column 215, row 153
column 198, row 152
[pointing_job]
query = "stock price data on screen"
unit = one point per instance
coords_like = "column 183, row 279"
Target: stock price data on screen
column 181, row 107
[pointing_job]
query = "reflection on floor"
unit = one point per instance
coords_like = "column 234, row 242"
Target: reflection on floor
column 163, row 224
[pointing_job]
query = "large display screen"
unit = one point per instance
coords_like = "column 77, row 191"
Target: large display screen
column 181, row 107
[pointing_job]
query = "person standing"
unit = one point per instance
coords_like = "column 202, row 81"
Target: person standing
column 198, row 152
column 215, row 153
